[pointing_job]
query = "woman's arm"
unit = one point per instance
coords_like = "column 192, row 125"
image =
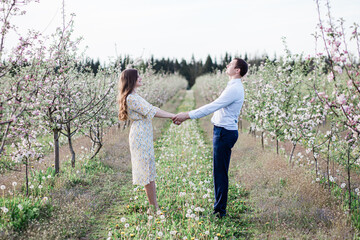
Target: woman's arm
column 163, row 114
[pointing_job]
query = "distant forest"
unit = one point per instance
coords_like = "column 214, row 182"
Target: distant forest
column 190, row 70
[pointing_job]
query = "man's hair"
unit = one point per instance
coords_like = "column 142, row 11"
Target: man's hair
column 240, row 63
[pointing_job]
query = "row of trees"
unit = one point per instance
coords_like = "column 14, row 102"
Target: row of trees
column 53, row 91
column 291, row 99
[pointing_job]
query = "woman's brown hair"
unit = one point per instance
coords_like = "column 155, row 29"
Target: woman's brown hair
column 126, row 85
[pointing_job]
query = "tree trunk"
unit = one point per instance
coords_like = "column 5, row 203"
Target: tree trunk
column 349, row 179
column 3, row 138
column 292, row 151
column 327, row 166
column 69, row 136
column 72, row 152
column 56, row 148
column 99, row 146
column 27, row 176
column 262, row 139
column 316, row 163
column 277, row 146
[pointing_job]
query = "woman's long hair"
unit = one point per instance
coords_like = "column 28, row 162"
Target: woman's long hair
column 126, row 85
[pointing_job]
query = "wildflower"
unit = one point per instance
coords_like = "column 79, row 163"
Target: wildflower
column 32, row 186
column 110, row 234
column 150, row 217
column 162, row 217
column 5, row 210
column 356, row 190
column 160, row 234
column 123, row 219
column 20, row 207
column 343, row 185
column 49, row 176
column 127, row 225
column 172, row 232
column 14, row 184
column 3, row 187
column 44, row 200
column 207, row 232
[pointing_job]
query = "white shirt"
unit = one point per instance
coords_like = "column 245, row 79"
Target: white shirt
column 226, row 107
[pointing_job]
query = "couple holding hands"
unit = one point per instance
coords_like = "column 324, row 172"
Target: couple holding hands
column 226, row 111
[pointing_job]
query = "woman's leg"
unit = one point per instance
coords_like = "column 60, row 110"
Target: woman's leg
column 151, row 194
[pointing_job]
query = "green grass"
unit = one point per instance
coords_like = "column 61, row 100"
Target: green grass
column 185, row 193
column 21, row 210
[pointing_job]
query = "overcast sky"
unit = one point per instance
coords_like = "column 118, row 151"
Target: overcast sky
column 182, row 28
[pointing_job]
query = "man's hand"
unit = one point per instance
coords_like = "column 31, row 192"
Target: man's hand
column 180, row 117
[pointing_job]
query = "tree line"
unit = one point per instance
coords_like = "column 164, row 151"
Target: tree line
column 188, row 69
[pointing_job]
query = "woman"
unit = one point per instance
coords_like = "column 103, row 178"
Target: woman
column 137, row 109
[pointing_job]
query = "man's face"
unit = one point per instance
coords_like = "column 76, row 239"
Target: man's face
column 230, row 68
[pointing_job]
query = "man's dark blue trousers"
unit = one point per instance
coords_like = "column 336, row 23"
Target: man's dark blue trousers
column 223, row 141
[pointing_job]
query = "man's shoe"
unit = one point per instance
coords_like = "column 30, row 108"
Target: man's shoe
column 219, row 215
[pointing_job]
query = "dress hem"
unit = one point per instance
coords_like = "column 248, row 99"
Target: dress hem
column 144, row 184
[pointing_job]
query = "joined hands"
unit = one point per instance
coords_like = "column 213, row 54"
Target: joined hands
column 180, row 117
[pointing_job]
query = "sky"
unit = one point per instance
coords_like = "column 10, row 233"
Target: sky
column 185, row 28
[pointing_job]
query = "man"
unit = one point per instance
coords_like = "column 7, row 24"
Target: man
column 226, row 111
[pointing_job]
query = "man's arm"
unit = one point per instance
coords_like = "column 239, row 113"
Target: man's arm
column 227, row 97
